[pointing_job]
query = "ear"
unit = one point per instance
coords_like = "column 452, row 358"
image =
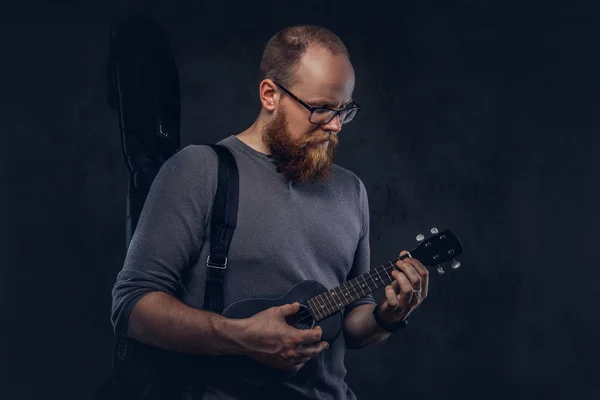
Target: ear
column 269, row 95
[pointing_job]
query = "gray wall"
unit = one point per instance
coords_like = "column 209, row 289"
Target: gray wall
column 480, row 117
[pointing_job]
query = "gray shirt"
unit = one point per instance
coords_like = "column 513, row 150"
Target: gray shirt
column 285, row 233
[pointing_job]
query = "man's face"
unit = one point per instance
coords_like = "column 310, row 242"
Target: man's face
column 303, row 150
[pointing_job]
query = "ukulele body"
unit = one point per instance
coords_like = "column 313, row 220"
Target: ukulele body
column 301, row 293
column 250, row 369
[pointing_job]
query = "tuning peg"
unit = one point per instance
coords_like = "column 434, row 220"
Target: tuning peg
column 455, row 264
column 440, row 270
column 420, row 237
column 434, row 230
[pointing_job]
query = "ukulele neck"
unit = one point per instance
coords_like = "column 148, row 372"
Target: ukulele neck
column 336, row 299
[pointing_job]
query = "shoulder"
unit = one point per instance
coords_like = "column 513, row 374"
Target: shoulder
column 191, row 167
column 194, row 155
column 348, row 181
column 192, row 160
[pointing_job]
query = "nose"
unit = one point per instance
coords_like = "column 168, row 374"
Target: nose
column 334, row 125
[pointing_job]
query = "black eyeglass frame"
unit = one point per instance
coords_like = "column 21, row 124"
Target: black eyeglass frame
column 312, row 109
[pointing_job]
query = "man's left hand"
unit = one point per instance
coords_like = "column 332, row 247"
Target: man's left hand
column 407, row 291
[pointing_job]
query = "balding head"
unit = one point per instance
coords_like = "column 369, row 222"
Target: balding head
column 285, row 49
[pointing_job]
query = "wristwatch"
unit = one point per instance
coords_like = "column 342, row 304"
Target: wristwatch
column 388, row 327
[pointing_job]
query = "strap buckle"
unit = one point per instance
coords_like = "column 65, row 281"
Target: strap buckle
column 216, row 265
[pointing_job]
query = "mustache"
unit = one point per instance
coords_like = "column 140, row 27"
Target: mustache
column 318, row 139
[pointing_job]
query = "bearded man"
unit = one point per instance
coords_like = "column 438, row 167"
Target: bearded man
column 300, row 217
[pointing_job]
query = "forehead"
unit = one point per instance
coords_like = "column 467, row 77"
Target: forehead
column 322, row 76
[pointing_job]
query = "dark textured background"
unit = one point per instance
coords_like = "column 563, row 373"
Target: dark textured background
column 480, row 116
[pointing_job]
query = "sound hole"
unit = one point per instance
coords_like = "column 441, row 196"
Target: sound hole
column 302, row 319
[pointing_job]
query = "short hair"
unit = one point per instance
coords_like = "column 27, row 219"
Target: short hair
column 285, row 49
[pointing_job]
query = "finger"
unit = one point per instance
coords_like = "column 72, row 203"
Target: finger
column 406, row 289
column 392, row 297
column 310, row 335
column 395, row 285
column 423, row 273
column 312, row 350
column 411, row 273
column 289, row 309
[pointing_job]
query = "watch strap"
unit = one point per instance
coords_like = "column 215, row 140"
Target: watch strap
column 392, row 328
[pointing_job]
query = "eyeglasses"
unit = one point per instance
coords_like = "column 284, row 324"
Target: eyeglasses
column 321, row 115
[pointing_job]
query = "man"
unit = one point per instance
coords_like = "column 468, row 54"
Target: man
column 300, row 217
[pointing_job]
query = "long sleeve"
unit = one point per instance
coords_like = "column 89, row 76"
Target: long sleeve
column 170, row 231
column 362, row 256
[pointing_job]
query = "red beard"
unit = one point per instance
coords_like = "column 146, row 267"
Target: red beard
column 304, row 160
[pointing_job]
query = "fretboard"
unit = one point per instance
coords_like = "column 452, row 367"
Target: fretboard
column 334, row 300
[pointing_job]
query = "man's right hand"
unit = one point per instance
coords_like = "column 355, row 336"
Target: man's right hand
column 269, row 339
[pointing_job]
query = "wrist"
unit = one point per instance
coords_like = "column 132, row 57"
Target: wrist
column 389, row 327
column 231, row 331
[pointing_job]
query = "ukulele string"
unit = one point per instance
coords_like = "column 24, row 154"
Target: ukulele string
column 305, row 314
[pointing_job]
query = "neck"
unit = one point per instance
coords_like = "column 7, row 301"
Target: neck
column 334, row 300
column 252, row 136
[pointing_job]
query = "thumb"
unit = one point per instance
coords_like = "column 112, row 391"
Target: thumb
column 289, row 309
column 383, row 307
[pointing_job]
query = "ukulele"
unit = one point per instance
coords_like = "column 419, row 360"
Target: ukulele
column 323, row 307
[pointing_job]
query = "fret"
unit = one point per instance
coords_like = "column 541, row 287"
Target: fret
column 313, row 308
column 352, row 286
column 393, row 266
column 366, row 283
column 389, row 276
column 327, row 297
column 322, row 309
column 382, row 280
column 310, row 307
column 360, row 286
column 344, row 291
column 374, row 282
column 340, row 304
column 347, row 294
column 341, row 290
column 345, row 298
column 324, row 306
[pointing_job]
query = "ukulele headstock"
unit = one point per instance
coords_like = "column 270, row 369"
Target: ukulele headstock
column 438, row 249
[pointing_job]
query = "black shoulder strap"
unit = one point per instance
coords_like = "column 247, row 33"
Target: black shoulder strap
column 222, row 226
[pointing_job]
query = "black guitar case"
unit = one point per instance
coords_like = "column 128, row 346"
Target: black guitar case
column 143, row 87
